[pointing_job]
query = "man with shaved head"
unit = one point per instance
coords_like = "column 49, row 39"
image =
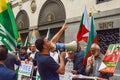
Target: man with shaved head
column 94, row 61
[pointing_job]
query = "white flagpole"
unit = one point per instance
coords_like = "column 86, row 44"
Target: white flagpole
column 25, row 44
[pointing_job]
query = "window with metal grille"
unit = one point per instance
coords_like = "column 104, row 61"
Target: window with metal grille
column 101, row 1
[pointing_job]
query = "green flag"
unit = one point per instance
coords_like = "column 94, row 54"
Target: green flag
column 19, row 40
column 93, row 38
column 38, row 76
column 33, row 37
column 48, row 34
column 8, row 28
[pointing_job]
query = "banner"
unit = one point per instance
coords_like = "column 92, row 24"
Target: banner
column 111, row 58
column 66, row 76
column 37, row 76
column 25, row 69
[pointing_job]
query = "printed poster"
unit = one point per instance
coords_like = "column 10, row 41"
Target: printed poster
column 111, row 58
column 25, row 69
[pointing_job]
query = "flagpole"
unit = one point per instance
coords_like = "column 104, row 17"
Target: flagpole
column 84, row 2
column 26, row 41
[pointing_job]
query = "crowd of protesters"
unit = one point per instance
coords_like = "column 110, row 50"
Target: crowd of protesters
column 48, row 66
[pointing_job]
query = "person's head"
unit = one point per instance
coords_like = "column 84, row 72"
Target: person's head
column 95, row 49
column 71, row 54
column 116, row 49
column 3, row 53
column 28, row 45
column 33, row 47
column 43, row 44
column 18, row 47
column 24, row 50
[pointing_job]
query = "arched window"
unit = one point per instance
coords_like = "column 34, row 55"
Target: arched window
column 52, row 11
column 22, row 20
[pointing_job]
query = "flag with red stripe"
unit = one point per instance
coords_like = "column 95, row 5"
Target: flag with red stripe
column 83, row 31
column 93, row 38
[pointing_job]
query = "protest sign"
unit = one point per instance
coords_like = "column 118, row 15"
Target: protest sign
column 25, row 69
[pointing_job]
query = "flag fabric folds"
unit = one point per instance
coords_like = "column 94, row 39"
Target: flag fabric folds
column 48, row 34
column 33, row 38
column 83, row 31
column 19, row 40
column 8, row 28
column 26, row 42
column 93, row 38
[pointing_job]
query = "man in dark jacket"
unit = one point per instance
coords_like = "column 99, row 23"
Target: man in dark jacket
column 77, row 59
column 5, row 73
column 33, row 58
column 11, row 61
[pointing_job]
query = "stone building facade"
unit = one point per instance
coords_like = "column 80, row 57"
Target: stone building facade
column 43, row 14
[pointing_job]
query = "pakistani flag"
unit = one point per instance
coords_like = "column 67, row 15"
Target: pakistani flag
column 8, row 28
column 48, row 34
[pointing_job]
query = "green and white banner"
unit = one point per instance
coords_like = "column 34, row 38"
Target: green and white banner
column 8, row 27
column 25, row 69
column 38, row 76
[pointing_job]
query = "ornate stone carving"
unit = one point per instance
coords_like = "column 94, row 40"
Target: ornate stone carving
column 106, row 25
column 33, row 6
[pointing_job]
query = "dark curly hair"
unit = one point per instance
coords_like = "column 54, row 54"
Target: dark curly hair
column 39, row 43
column 3, row 52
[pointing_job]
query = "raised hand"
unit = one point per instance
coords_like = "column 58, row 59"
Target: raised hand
column 64, row 26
